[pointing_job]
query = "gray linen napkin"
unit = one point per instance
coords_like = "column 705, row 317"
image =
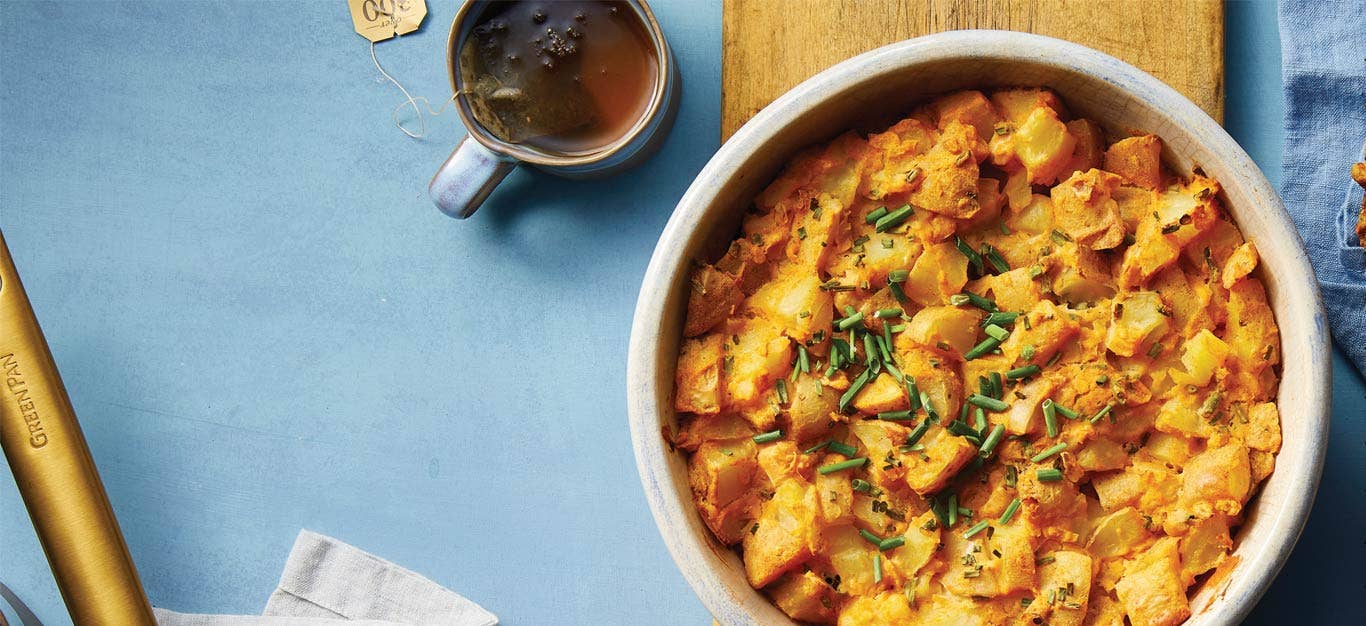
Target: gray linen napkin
column 327, row 582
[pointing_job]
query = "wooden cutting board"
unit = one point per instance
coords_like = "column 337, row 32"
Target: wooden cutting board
column 768, row 46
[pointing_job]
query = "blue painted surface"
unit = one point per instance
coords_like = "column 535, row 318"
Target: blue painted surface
column 265, row 325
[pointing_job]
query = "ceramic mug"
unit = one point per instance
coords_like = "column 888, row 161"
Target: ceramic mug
column 476, row 167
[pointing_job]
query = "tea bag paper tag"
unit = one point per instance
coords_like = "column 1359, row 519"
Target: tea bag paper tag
column 378, row 20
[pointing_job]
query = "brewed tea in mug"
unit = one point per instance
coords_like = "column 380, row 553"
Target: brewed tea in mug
column 563, row 77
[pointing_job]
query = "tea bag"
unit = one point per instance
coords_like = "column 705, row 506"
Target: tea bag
column 519, row 98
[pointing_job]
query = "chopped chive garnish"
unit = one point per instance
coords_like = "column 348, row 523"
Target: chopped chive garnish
column 980, row 419
column 895, row 416
column 998, row 432
column 973, row 257
column 803, row 360
column 898, row 276
column 984, row 386
column 896, row 373
column 976, row 528
column 891, row 542
column 917, row 432
column 1012, row 474
column 817, row 448
column 1001, row 317
column 1059, row 237
column 877, row 565
column 1035, row 270
column 1064, row 411
column 839, row 447
column 781, row 386
column 1046, row 454
column 962, row 512
column 870, row 537
column 981, row 302
column 963, row 413
column 996, row 332
column 913, row 175
column 860, row 485
column 987, row 345
column 998, row 389
column 898, row 293
column 848, row 322
column 1027, row 353
column 875, row 215
column 958, row 299
column 1050, row 417
column 929, row 408
column 1103, row 412
column 1010, row 511
column 1050, row 475
column 1102, row 379
column 772, row 435
column 952, row 509
column 1022, row 372
column 990, row 404
column 854, row 389
column 996, row 260
column 870, row 348
column 961, row 429
column 892, row 219
column 842, row 465
column 884, row 313
column 913, row 392
column 899, row 328
column 1155, row 350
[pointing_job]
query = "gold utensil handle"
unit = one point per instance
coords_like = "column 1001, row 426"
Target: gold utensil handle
column 56, row 476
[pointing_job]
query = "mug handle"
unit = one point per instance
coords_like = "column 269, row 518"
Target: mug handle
column 468, row 177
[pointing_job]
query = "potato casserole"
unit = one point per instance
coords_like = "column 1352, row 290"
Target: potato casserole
column 992, row 365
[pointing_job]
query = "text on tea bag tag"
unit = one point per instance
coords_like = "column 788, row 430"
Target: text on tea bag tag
column 378, row 20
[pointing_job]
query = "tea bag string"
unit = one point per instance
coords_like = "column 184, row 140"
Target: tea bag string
column 410, row 101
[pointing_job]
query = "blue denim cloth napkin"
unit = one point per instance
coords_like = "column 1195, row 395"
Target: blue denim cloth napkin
column 1323, row 54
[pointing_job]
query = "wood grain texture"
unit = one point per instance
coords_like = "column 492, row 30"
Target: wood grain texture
column 768, row 46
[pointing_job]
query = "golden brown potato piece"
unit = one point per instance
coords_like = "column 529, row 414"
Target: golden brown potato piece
column 1250, row 330
column 1239, row 265
column 948, row 180
column 1067, row 580
column 810, row 404
column 928, row 471
column 1139, row 319
column 1137, row 159
column 998, row 563
column 1083, row 208
column 939, row 272
column 1217, row 480
column 1017, row 104
column 967, row 107
column 893, row 164
column 1049, row 329
column 783, row 534
column 1089, row 152
column 720, row 473
column 804, row 597
column 951, row 326
column 1043, row 145
column 1152, row 590
column 713, row 296
column 881, row 610
column 698, row 377
column 1359, row 175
